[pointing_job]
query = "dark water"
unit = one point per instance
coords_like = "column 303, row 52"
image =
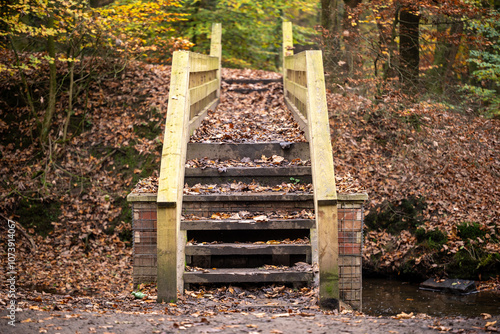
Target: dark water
column 388, row 297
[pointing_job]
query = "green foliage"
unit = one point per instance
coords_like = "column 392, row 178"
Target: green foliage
column 433, row 239
column 470, row 231
column 406, row 214
column 251, row 30
column 38, row 215
column 472, row 263
column 143, row 28
column 463, row 265
column 485, row 62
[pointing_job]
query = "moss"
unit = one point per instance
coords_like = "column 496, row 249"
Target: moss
column 406, row 214
column 470, row 231
column 415, row 121
column 474, row 264
column 434, row 239
column 149, row 128
column 125, row 216
column 38, row 215
column 463, row 265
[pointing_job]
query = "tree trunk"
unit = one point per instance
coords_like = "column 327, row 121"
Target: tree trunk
column 99, row 3
column 444, row 55
column 331, row 15
column 51, row 106
column 409, row 46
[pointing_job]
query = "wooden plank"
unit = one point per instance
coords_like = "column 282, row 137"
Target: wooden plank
column 175, row 141
column 247, row 249
column 298, row 116
column 200, row 92
column 252, row 275
column 167, row 254
column 252, row 197
column 199, row 78
column 250, row 171
column 325, row 194
column 319, row 130
column 328, row 251
column 195, row 122
column 141, row 197
column 216, row 49
column 296, row 62
column 248, row 224
column 252, row 81
column 202, row 63
column 227, row 151
column 171, row 179
column 287, row 42
column 297, row 90
column 355, row 198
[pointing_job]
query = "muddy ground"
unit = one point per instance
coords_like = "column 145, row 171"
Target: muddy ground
column 31, row 321
column 47, row 313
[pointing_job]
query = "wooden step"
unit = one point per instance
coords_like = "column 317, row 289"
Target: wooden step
column 248, row 249
column 247, row 90
column 253, row 275
column 248, row 224
column 271, row 196
column 252, row 81
column 261, row 175
column 206, row 205
column 228, row 151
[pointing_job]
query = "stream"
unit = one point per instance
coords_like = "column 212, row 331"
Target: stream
column 391, row 297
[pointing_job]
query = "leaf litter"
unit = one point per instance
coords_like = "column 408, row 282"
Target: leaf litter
column 80, row 271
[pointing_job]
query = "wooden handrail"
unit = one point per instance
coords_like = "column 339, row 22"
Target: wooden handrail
column 305, row 96
column 194, row 89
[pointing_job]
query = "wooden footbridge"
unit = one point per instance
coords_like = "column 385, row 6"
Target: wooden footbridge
column 332, row 258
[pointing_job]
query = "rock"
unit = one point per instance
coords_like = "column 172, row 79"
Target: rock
column 457, row 286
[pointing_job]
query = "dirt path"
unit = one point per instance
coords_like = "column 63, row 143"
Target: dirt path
column 231, row 310
column 31, row 321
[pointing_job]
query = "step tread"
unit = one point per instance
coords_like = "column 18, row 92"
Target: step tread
column 247, row 224
column 251, row 81
column 246, row 275
column 247, row 249
column 253, row 151
column 278, row 196
column 250, row 171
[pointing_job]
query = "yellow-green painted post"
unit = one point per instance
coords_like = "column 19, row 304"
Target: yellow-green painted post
column 287, row 40
column 287, row 51
column 216, row 48
column 325, row 193
column 171, row 182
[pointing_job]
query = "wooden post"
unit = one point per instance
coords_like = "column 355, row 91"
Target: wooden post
column 216, row 48
column 171, row 183
column 287, row 51
column 325, row 193
column 287, row 40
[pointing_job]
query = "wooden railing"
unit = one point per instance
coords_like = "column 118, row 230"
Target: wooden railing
column 194, row 89
column 305, row 96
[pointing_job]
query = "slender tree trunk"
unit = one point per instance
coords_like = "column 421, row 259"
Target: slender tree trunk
column 51, row 106
column 444, row 55
column 409, row 46
column 70, row 99
column 331, row 15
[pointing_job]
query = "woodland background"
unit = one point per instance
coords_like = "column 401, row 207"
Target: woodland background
column 413, row 93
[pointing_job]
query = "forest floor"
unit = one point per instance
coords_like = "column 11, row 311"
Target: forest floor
column 430, row 169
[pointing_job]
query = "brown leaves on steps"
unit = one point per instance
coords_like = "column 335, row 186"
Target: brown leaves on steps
column 345, row 184
column 287, row 241
column 241, row 187
column 256, row 116
column 273, row 161
column 255, row 216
